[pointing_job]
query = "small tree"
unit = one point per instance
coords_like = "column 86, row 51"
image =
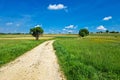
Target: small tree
column 107, row 31
column 83, row 32
column 36, row 32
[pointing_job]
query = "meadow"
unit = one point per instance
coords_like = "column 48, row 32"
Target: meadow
column 95, row 57
column 10, row 49
column 14, row 45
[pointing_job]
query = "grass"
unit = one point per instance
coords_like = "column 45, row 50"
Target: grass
column 14, row 45
column 28, row 36
column 106, row 34
column 14, row 35
column 95, row 57
column 11, row 49
column 89, row 58
column 2, row 36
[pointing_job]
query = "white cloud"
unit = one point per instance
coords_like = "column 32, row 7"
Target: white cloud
column 64, row 29
column 38, row 26
column 9, row 23
column 70, row 27
column 70, row 31
column 56, row 7
column 101, row 27
column 86, row 27
column 17, row 25
column 107, row 18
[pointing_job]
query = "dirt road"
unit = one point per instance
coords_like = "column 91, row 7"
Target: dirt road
column 38, row 64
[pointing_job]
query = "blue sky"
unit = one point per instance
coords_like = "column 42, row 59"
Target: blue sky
column 56, row 16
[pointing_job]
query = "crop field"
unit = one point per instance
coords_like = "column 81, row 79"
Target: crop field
column 23, row 36
column 10, row 49
column 27, row 36
column 91, row 58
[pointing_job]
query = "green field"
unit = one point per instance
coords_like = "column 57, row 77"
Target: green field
column 95, row 57
column 91, row 58
column 11, row 49
column 14, row 45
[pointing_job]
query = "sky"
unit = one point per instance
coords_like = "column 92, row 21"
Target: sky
column 59, row 16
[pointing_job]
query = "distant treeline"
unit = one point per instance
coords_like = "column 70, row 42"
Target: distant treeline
column 108, row 32
column 61, row 33
column 13, row 33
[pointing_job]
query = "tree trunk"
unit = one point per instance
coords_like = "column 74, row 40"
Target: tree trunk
column 37, row 36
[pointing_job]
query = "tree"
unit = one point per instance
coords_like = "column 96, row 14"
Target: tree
column 107, row 31
column 36, row 32
column 112, row 32
column 83, row 32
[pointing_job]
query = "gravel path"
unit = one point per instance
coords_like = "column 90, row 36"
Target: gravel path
column 38, row 64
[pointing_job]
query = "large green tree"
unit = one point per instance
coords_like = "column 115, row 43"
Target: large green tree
column 36, row 32
column 83, row 32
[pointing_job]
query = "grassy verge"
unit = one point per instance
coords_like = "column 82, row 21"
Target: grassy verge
column 89, row 59
column 11, row 49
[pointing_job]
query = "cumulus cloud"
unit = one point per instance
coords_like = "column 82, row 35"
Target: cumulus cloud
column 101, row 27
column 9, row 23
column 70, row 27
column 56, row 7
column 38, row 26
column 107, row 18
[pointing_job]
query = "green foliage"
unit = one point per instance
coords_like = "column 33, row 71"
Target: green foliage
column 36, row 32
column 11, row 49
column 89, row 59
column 83, row 32
column 107, row 31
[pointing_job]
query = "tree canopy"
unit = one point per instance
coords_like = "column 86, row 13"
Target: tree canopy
column 36, row 32
column 83, row 32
